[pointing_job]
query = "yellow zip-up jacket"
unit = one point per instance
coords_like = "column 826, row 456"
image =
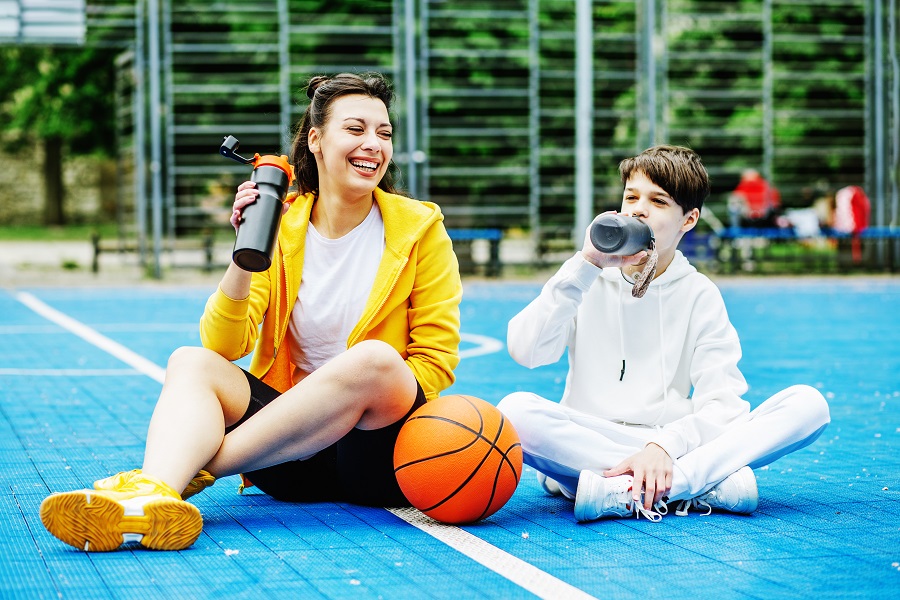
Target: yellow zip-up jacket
column 413, row 305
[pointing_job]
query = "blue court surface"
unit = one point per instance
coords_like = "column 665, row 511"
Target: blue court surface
column 80, row 370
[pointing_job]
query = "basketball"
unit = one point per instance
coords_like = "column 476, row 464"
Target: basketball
column 458, row 459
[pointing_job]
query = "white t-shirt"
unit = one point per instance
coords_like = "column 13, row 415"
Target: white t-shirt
column 337, row 279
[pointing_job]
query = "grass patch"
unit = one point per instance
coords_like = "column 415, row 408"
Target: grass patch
column 38, row 233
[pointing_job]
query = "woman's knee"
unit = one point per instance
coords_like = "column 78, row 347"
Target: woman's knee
column 193, row 368
column 374, row 376
column 378, row 352
column 376, row 363
column 193, row 359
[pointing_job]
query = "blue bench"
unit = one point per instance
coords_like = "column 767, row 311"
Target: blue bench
column 493, row 236
column 839, row 260
column 787, row 233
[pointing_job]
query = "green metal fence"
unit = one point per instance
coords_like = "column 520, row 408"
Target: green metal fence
column 488, row 119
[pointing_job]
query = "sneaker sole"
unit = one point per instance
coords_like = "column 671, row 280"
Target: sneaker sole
column 95, row 523
column 750, row 503
column 582, row 502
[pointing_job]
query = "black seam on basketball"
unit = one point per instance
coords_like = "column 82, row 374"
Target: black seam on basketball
column 433, row 456
column 464, row 483
column 490, row 501
column 506, row 460
column 479, row 432
column 479, row 435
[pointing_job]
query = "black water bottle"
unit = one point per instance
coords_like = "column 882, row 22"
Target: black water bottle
column 620, row 235
column 254, row 247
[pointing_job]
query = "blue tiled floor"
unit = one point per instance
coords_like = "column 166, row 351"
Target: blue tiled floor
column 826, row 524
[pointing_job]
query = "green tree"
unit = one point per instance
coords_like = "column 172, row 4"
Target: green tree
column 61, row 98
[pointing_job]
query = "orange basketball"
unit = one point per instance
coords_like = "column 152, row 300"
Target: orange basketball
column 458, row 459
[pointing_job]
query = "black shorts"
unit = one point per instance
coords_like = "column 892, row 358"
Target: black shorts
column 358, row 468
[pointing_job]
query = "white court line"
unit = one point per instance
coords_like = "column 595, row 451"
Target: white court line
column 148, row 368
column 120, row 327
column 514, row 569
column 68, row 372
column 486, row 345
column 518, row 571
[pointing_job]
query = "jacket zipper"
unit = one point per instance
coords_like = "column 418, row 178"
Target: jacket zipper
column 384, row 300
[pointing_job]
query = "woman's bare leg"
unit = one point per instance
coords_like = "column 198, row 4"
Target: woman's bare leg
column 369, row 386
column 203, row 392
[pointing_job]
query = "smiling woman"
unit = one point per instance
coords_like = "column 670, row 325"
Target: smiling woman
column 354, row 325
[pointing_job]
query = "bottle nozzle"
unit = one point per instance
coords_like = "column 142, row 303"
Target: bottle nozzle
column 229, row 147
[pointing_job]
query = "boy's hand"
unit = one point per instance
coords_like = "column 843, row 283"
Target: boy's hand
column 652, row 470
column 602, row 260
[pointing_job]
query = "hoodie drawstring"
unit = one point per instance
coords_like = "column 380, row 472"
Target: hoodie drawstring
column 621, row 333
column 662, row 354
column 662, row 346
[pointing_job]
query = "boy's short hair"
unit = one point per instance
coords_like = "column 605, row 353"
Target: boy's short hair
column 676, row 169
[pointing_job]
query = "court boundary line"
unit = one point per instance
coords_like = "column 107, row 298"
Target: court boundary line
column 522, row 573
column 511, row 568
column 133, row 359
column 10, row 372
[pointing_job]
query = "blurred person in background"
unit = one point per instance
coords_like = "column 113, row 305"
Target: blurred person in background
column 756, row 200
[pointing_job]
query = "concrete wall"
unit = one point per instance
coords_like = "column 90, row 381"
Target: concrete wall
column 90, row 188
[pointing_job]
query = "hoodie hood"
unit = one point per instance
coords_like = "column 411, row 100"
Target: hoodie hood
column 405, row 219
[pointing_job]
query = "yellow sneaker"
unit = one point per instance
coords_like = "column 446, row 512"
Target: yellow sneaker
column 139, row 509
column 200, row 482
column 112, row 482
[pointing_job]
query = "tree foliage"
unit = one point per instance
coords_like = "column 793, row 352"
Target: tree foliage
column 59, row 93
column 61, row 98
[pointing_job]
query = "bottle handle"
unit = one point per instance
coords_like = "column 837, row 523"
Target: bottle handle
column 229, row 147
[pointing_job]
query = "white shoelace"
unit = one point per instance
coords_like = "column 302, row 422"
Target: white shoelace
column 654, row 515
column 685, row 505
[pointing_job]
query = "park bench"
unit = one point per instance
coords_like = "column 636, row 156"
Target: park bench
column 202, row 244
column 493, row 267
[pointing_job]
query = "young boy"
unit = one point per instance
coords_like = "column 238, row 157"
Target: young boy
column 652, row 410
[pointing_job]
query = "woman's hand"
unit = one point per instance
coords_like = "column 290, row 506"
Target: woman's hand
column 246, row 194
column 652, row 470
column 602, row 260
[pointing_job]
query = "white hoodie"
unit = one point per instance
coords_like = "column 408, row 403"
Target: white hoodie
column 638, row 360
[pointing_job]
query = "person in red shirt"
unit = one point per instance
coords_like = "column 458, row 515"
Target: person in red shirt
column 758, row 199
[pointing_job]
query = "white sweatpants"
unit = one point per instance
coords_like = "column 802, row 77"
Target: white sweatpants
column 559, row 441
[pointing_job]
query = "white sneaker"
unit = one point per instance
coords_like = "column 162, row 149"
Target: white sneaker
column 599, row 496
column 737, row 493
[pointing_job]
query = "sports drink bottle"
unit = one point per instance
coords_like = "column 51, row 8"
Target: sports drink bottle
column 273, row 175
column 620, row 235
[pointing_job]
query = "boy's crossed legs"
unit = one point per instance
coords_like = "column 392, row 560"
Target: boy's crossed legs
column 562, row 443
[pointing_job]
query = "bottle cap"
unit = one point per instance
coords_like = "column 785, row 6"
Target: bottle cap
column 280, row 162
